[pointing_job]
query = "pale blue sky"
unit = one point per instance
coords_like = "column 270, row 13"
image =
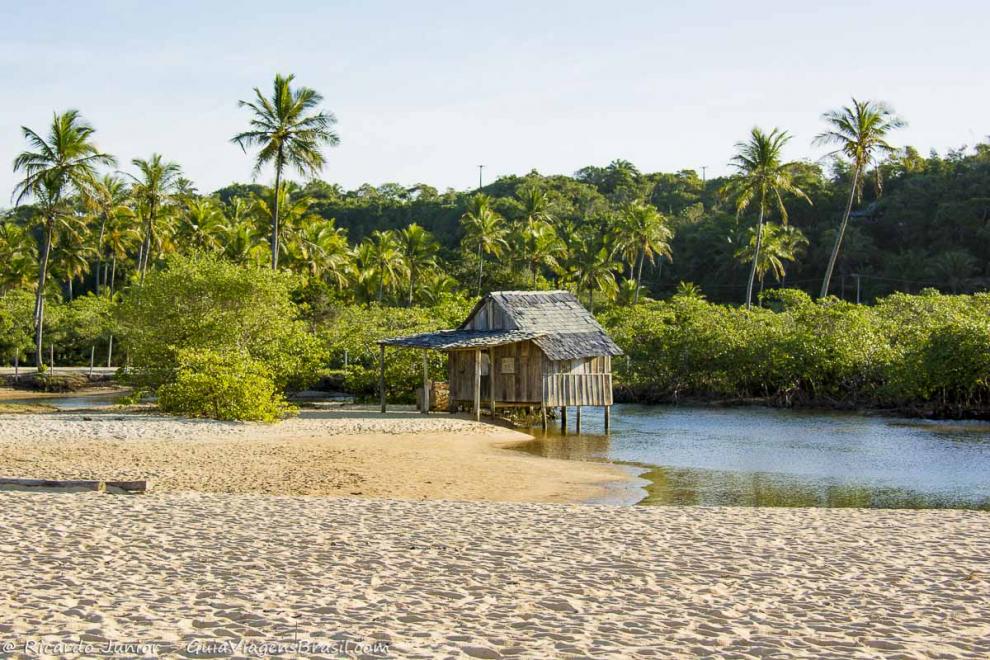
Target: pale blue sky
column 425, row 91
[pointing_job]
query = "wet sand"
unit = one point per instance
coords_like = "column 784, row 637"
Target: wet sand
column 400, row 455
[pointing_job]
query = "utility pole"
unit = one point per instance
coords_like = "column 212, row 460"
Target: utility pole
column 704, row 179
column 481, row 168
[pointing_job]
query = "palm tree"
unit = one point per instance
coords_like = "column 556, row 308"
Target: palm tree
column 689, row 290
column 484, row 228
column 63, row 163
column 542, row 246
column 592, row 269
column 154, row 188
column 420, row 251
column 19, row 255
column 202, row 226
column 643, row 234
column 382, row 260
column 779, row 244
column 288, row 134
column 121, row 238
column 71, row 260
column 108, row 199
column 860, row 134
column 954, row 268
column 293, row 212
column 323, row 251
column 762, row 176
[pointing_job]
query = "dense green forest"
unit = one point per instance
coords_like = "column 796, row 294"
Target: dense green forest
column 86, row 234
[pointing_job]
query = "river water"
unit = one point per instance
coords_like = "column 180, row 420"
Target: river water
column 752, row 456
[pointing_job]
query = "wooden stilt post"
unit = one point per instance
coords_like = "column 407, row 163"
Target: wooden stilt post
column 491, row 379
column 92, row 358
column 477, row 385
column 381, row 374
column 426, row 384
column 608, row 419
column 563, row 419
column 543, row 417
column 577, row 420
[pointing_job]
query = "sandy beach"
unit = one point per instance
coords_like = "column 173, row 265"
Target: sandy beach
column 490, row 579
column 401, row 455
column 436, row 540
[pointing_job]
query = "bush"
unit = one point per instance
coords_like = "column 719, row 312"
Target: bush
column 356, row 328
column 202, row 302
column 227, row 386
column 925, row 350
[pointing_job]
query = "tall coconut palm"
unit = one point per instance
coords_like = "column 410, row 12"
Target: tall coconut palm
column 484, row 230
column 108, row 201
column 420, row 251
column 155, row 186
column 54, row 167
column 643, row 234
column 762, row 176
column 860, row 134
column 288, row 134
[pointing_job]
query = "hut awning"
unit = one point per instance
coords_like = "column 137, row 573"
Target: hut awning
column 453, row 340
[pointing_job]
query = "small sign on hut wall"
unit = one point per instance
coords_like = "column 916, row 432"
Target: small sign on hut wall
column 508, row 365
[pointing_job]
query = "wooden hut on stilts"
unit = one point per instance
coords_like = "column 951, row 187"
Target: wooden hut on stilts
column 534, row 349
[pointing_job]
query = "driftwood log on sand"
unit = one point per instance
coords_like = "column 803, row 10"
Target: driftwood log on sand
column 83, row 484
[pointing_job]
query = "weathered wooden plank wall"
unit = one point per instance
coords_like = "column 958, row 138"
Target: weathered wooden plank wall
column 578, row 389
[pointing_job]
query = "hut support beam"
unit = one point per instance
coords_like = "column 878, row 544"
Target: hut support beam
column 426, row 383
column 381, row 374
column 491, row 379
column 477, row 385
column 577, row 420
column 608, row 419
column 563, row 419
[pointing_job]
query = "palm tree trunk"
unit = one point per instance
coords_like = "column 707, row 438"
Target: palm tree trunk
column 39, row 298
column 639, row 276
column 381, row 280
column 278, row 185
column 838, row 239
column 113, row 273
column 756, row 258
column 146, row 246
column 99, row 252
column 481, row 267
column 412, row 284
column 70, row 289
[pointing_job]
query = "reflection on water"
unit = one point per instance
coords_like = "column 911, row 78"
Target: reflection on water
column 767, row 457
column 80, row 401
